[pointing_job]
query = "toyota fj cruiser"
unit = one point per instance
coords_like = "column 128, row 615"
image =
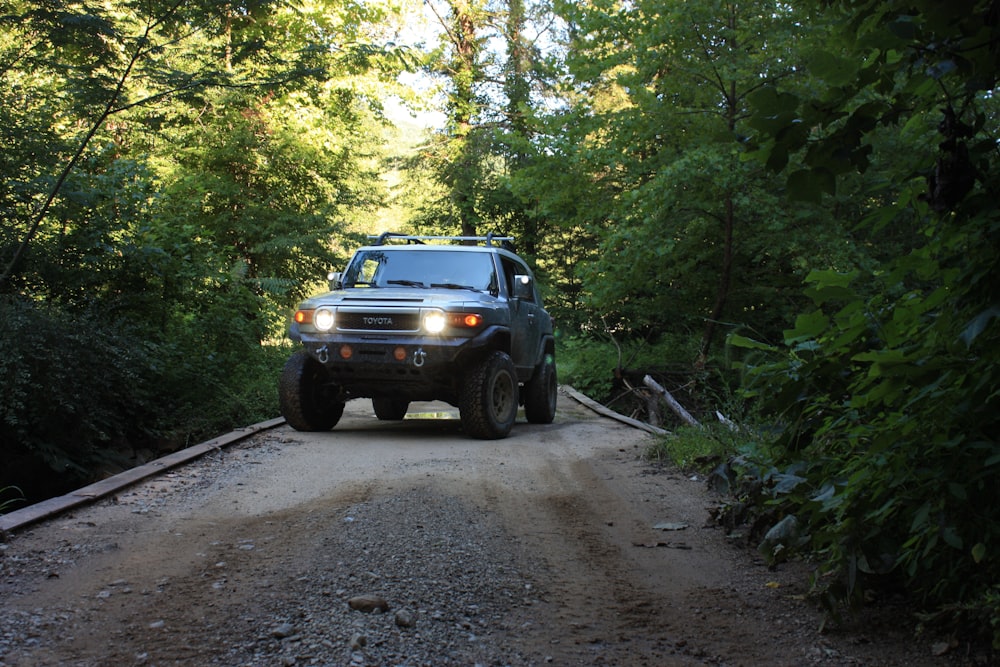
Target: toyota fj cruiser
column 419, row 318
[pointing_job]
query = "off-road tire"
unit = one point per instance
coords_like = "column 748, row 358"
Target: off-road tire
column 540, row 393
column 308, row 400
column 390, row 409
column 488, row 405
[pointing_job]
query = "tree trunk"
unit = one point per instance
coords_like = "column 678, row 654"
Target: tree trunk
column 463, row 107
column 725, row 281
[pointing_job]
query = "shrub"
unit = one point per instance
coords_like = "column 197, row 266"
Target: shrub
column 888, row 409
column 81, row 391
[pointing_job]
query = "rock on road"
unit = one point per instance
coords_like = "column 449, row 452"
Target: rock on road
column 405, row 543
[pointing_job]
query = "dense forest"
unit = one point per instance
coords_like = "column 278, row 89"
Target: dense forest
column 787, row 212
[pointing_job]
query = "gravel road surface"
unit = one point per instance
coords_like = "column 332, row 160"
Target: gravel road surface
column 405, row 543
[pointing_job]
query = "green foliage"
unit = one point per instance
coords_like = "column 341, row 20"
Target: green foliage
column 81, row 391
column 590, row 362
column 70, row 384
column 586, row 364
column 695, row 447
column 889, row 409
column 174, row 178
column 885, row 390
column 722, row 434
column 679, row 231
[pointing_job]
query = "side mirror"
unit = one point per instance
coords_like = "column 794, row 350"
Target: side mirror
column 524, row 288
column 334, row 278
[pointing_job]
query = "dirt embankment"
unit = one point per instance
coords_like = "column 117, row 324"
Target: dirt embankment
column 557, row 545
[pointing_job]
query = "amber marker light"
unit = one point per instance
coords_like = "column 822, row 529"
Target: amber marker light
column 468, row 320
column 304, row 316
column 399, row 354
column 346, row 352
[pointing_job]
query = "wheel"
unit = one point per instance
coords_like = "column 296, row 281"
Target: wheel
column 488, row 405
column 390, row 409
column 540, row 393
column 308, row 400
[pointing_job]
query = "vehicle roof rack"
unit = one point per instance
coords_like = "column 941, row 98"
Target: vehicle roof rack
column 490, row 239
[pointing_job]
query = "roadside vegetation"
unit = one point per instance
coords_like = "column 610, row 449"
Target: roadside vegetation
column 786, row 215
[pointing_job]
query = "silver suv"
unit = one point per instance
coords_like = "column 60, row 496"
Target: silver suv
column 419, row 318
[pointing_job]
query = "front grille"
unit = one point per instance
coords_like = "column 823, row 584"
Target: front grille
column 374, row 321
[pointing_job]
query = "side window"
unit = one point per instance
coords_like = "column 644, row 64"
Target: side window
column 363, row 269
column 511, row 269
column 508, row 275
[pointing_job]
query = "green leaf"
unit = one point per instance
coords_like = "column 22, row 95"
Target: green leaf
column 807, row 326
column 768, row 101
column 835, row 70
column 884, row 357
column 979, row 552
column 920, row 518
column 737, row 340
column 830, row 278
column 951, row 537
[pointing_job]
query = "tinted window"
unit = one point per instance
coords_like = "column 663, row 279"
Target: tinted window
column 416, row 268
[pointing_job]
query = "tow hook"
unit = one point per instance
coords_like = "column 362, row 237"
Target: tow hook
column 323, row 354
column 418, row 357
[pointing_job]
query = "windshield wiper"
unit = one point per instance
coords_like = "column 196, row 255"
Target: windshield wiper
column 407, row 283
column 454, row 286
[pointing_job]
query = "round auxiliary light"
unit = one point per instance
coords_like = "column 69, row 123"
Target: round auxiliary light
column 323, row 319
column 346, row 352
column 399, row 354
column 434, row 322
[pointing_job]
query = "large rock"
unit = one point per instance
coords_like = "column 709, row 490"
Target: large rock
column 368, row 603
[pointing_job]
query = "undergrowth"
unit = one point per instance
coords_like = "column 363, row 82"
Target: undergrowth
column 104, row 388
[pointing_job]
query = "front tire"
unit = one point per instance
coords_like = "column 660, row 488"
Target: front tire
column 390, row 409
column 488, row 404
column 541, row 393
column 308, row 400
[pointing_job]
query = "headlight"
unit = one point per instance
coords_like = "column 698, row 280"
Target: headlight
column 434, row 322
column 323, row 319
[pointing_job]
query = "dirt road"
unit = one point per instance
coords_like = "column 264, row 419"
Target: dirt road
column 557, row 545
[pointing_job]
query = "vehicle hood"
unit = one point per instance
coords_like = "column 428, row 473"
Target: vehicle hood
column 409, row 297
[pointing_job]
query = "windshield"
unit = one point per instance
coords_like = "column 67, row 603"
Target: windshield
column 452, row 269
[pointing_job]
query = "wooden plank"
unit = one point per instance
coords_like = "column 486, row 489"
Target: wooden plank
column 608, row 412
column 105, row 487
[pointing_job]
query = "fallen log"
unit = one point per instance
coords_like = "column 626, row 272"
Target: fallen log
column 607, row 412
column 671, row 401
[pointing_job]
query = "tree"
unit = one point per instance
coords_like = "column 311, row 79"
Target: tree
column 887, row 384
column 494, row 78
column 173, row 175
column 685, row 217
column 460, row 166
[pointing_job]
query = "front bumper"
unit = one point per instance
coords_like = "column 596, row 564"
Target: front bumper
column 415, row 368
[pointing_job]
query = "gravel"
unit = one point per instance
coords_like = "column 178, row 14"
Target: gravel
column 407, row 578
column 408, row 544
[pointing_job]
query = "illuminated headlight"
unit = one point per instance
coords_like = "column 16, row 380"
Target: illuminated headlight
column 434, row 322
column 323, row 319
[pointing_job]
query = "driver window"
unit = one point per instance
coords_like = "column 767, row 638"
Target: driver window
column 511, row 269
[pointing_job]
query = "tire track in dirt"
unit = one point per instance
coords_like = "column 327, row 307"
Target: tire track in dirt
column 530, row 550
